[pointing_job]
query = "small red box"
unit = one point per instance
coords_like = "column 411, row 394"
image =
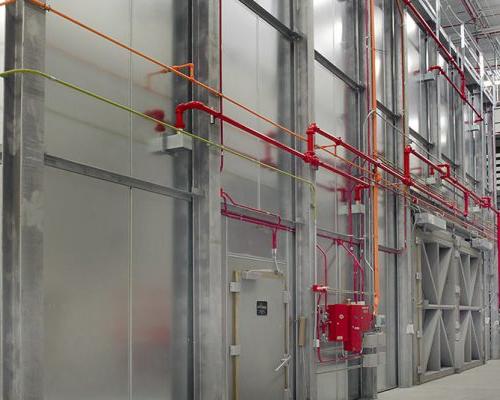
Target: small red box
column 339, row 322
column 360, row 322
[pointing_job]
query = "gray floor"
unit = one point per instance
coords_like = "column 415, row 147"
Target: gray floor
column 481, row 383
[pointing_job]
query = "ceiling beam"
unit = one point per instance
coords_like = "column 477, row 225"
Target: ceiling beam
column 492, row 30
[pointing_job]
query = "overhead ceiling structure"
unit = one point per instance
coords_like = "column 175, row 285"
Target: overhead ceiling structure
column 481, row 18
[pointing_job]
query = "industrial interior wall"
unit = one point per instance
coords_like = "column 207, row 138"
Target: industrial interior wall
column 118, row 273
column 257, row 72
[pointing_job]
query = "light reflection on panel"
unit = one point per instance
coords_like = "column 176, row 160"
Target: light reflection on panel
column 380, row 47
column 77, row 127
column 384, row 46
column 446, row 140
column 418, row 168
column 278, row 8
column 469, row 151
column 414, row 86
column 256, row 72
column 159, row 293
column 323, row 27
column 157, row 92
column 86, row 283
column 335, row 113
column 334, row 33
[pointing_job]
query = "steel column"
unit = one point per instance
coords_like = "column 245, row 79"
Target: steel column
column 305, row 243
column 22, row 242
column 404, row 232
column 210, row 345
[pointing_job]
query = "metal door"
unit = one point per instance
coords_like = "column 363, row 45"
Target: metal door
column 259, row 350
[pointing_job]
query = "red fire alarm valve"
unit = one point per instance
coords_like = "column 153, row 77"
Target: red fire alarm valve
column 360, row 322
column 339, row 316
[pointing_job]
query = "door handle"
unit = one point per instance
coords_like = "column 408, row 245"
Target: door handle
column 284, row 361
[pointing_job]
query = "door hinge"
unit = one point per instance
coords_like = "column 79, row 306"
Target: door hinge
column 234, row 350
column 235, row 287
column 286, row 296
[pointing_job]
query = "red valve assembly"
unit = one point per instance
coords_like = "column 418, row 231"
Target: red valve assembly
column 347, row 323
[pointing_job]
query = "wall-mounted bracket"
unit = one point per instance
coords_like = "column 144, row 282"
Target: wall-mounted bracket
column 356, row 208
column 171, row 144
column 427, row 77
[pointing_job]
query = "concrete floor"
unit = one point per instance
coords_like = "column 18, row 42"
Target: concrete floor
column 481, row 383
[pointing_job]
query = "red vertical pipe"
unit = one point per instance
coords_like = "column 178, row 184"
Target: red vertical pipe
column 466, row 203
column 406, row 165
column 311, row 130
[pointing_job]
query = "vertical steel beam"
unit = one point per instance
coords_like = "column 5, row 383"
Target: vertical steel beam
column 209, row 319
column 22, row 242
column 493, row 270
column 303, row 65
column 405, row 282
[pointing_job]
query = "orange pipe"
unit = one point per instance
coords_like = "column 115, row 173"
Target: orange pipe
column 373, row 98
column 191, row 78
column 190, row 66
column 213, row 91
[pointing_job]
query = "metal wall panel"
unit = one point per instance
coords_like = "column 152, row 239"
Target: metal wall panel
column 469, row 141
column 335, row 102
column 86, row 286
column 264, row 60
column 117, row 291
column 414, row 86
column 384, row 54
column 77, row 127
column 387, row 372
column 167, row 20
column 255, row 241
column 333, row 384
column 334, row 33
column 450, row 304
column 278, row 8
column 160, row 311
column 2, row 64
column 445, row 132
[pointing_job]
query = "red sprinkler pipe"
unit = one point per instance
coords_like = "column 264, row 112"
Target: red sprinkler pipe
column 408, row 151
column 274, row 226
column 358, row 267
column 447, row 55
column 466, row 204
column 445, row 173
column 308, row 158
column 313, row 128
column 431, row 33
column 460, row 91
column 198, row 105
